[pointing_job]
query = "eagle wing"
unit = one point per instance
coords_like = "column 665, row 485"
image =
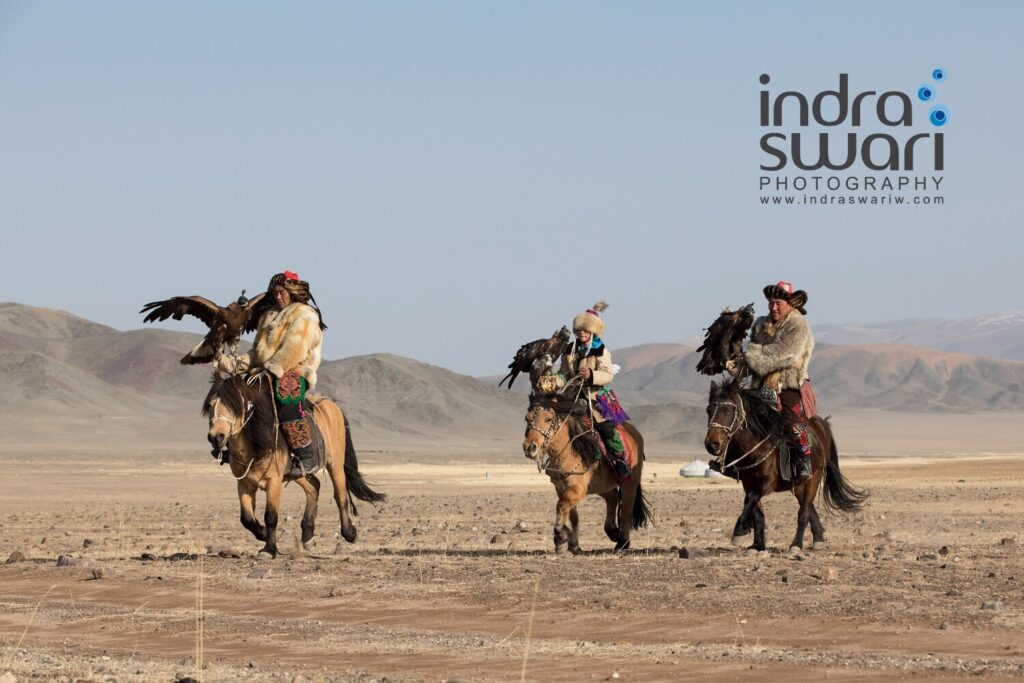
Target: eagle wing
column 180, row 306
column 258, row 305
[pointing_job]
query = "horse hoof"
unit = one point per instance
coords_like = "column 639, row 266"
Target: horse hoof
column 308, row 545
column 560, row 550
column 818, row 545
column 751, row 552
column 737, row 541
column 264, row 556
column 622, row 545
column 575, row 549
column 795, row 550
column 349, row 535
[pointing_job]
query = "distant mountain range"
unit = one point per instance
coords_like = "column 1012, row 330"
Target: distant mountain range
column 63, row 376
column 996, row 336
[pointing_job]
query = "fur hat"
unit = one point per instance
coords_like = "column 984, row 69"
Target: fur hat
column 784, row 290
column 590, row 319
column 298, row 289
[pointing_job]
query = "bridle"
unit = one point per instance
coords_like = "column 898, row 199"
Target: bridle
column 739, row 420
column 555, row 426
column 231, row 421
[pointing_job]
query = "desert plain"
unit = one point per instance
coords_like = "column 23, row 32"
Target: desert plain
column 454, row 578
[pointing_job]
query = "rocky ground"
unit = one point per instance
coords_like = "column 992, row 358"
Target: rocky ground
column 454, row 579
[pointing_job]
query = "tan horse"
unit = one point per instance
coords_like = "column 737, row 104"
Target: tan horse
column 565, row 448
column 243, row 419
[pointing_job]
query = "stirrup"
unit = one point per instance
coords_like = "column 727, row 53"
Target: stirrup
column 621, row 468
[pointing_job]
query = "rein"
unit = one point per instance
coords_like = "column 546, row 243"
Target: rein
column 247, row 407
column 739, row 420
column 554, row 427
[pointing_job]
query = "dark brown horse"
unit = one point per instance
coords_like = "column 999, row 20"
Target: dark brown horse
column 565, row 448
column 243, row 419
column 746, row 433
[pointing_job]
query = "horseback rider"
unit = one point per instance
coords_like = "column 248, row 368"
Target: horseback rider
column 287, row 346
column 589, row 361
column 777, row 356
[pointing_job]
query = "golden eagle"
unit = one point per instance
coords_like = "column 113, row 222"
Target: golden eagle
column 723, row 340
column 527, row 354
column 226, row 323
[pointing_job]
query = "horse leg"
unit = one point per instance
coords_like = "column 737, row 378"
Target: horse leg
column 270, row 516
column 574, row 535
column 744, row 523
column 757, row 513
column 247, row 501
column 611, row 524
column 567, row 501
column 311, row 485
column 805, row 493
column 336, row 469
column 817, row 529
column 627, row 499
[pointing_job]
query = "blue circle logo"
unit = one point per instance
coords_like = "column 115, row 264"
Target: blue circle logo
column 939, row 116
column 938, row 75
column 925, row 93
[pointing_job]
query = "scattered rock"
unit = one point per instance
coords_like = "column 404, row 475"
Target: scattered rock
column 16, row 556
column 1007, row 541
column 945, row 626
column 478, row 540
column 88, row 542
column 521, row 526
column 232, row 553
column 147, row 557
column 178, row 557
column 944, row 550
column 102, row 573
column 992, row 605
column 500, row 539
column 260, row 573
column 68, row 561
column 691, row 553
column 927, row 556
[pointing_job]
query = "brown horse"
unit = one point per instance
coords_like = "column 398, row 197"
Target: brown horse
column 746, row 433
column 565, row 447
column 243, row 419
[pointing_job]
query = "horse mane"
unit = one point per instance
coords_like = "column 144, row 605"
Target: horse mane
column 582, row 436
column 762, row 417
column 235, row 393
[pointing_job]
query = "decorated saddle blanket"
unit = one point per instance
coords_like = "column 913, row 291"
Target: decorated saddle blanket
column 607, row 403
column 629, row 447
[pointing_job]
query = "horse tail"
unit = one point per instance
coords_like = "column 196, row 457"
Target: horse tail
column 354, row 482
column 641, row 508
column 839, row 494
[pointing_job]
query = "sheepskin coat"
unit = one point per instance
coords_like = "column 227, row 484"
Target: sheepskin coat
column 287, row 339
column 600, row 363
column 779, row 353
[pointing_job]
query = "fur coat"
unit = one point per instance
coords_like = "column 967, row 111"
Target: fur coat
column 600, row 363
column 288, row 339
column 779, row 353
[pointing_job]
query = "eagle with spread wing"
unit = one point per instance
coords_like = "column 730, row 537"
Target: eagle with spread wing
column 723, row 340
column 226, row 323
column 529, row 353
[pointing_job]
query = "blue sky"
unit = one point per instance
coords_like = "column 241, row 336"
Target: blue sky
column 454, row 179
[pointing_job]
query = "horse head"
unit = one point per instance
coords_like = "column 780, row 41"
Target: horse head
column 541, row 425
column 725, row 416
column 235, row 407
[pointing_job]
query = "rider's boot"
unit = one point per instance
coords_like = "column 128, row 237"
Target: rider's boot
column 300, row 442
column 802, row 441
column 616, row 449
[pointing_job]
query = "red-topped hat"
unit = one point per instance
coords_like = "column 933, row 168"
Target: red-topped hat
column 291, row 275
column 784, row 290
